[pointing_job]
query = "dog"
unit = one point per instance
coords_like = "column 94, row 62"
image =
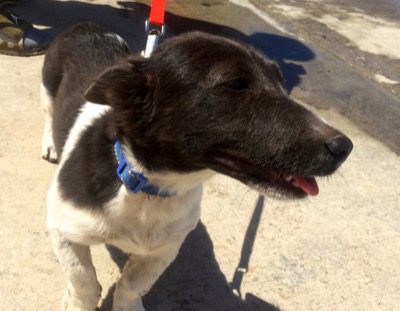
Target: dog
column 135, row 139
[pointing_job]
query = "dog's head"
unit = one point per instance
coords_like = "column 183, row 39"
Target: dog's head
column 203, row 101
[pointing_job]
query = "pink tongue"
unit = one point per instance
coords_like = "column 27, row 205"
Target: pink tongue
column 308, row 184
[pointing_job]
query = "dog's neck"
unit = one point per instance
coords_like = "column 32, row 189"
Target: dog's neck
column 162, row 183
column 134, row 180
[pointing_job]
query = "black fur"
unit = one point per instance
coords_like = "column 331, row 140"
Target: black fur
column 88, row 176
column 199, row 102
column 72, row 63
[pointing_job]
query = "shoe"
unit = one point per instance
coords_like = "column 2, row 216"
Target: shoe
column 20, row 38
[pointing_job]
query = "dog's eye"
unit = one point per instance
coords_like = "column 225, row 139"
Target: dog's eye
column 237, row 84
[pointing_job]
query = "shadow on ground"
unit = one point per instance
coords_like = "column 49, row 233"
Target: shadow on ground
column 194, row 281
column 128, row 21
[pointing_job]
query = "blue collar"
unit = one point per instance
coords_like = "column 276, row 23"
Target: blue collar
column 133, row 180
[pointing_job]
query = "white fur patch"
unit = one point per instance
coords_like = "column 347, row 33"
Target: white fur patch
column 134, row 222
column 87, row 116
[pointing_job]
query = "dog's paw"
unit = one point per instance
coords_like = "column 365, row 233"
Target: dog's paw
column 48, row 148
column 49, row 153
column 82, row 302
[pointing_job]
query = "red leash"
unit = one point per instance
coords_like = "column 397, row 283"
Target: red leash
column 157, row 13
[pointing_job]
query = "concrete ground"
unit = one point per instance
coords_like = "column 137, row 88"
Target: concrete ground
column 337, row 251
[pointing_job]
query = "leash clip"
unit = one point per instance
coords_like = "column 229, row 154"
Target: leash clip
column 154, row 31
column 152, row 38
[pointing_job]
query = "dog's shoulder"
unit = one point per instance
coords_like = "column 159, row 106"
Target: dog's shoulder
column 87, row 167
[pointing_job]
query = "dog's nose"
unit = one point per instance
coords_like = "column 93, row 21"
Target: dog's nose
column 340, row 146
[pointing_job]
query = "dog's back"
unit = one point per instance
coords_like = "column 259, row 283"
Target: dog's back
column 72, row 63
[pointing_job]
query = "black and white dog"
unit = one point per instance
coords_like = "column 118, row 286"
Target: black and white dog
column 135, row 138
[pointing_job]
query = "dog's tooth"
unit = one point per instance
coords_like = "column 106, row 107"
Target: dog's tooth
column 289, row 177
column 295, row 184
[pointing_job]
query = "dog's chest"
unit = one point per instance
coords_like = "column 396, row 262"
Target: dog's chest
column 140, row 224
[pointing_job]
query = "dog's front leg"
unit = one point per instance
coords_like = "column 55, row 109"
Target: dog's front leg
column 48, row 149
column 138, row 276
column 83, row 291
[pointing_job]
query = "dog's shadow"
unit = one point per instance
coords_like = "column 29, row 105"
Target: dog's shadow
column 194, row 281
column 128, row 21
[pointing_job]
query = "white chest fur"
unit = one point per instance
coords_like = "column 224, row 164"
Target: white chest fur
column 141, row 224
column 136, row 223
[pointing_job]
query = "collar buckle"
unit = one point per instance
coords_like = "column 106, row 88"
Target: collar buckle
column 125, row 174
column 134, row 180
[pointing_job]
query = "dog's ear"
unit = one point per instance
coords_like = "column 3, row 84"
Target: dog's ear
column 123, row 83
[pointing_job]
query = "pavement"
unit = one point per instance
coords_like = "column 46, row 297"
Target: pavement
column 337, row 251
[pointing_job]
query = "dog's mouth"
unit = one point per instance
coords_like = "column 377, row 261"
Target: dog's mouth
column 286, row 184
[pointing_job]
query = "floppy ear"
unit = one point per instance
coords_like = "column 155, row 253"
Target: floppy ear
column 125, row 82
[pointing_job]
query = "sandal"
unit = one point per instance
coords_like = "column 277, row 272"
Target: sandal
column 7, row 2
column 19, row 38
